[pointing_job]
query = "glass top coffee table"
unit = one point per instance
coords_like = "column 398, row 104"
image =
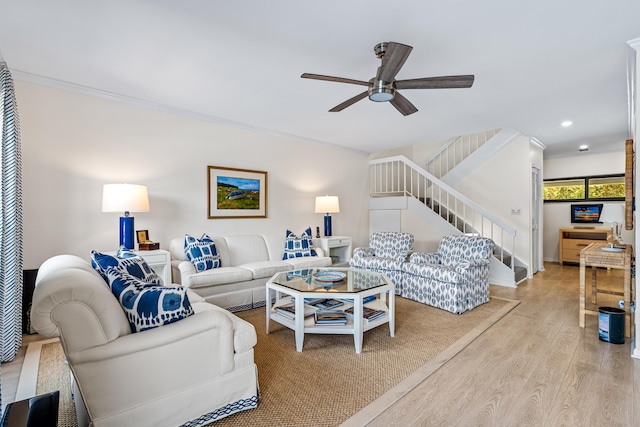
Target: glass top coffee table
column 297, row 299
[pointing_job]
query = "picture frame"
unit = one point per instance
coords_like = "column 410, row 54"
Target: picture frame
column 236, row 193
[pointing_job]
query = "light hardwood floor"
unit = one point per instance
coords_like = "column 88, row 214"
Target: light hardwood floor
column 535, row 367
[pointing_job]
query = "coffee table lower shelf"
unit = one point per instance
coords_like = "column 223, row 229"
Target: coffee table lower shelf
column 305, row 325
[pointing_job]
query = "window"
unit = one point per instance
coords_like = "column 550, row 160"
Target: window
column 610, row 187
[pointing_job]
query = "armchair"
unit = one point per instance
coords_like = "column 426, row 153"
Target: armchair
column 192, row 371
column 386, row 254
column 455, row 278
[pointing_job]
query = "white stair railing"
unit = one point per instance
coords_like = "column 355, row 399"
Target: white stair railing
column 398, row 175
column 455, row 151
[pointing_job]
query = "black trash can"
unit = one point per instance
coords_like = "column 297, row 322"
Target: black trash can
column 611, row 325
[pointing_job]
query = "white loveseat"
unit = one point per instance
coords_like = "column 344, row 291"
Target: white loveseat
column 192, row 371
column 248, row 261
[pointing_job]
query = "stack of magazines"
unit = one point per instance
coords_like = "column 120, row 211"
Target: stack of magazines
column 327, row 318
column 289, row 311
column 369, row 314
column 326, row 304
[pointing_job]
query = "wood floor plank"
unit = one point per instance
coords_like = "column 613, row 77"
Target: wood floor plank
column 535, row 367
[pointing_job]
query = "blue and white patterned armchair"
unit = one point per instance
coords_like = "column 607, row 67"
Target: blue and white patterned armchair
column 456, row 278
column 387, row 252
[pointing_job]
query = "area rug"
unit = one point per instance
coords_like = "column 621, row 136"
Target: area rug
column 328, row 383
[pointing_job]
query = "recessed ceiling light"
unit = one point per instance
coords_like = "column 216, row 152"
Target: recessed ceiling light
column 583, row 147
column 566, row 124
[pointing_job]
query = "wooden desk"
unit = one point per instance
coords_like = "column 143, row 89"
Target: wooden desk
column 594, row 256
column 572, row 240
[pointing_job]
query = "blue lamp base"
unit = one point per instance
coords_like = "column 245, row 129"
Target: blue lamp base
column 327, row 225
column 126, row 231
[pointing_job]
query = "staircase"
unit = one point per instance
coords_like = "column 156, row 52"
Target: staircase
column 400, row 182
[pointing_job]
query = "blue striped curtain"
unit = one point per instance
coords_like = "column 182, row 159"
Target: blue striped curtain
column 10, row 222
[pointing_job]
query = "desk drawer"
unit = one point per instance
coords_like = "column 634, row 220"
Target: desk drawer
column 571, row 255
column 578, row 244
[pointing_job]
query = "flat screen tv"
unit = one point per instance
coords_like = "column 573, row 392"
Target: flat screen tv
column 586, row 214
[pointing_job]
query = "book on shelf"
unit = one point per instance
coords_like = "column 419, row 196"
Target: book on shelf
column 309, row 301
column 326, row 304
column 364, row 300
column 368, row 314
column 330, row 318
column 289, row 311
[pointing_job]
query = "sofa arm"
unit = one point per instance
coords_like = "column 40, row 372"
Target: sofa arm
column 208, row 328
column 186, row 269
column 465, row 265
column 403, row 256
column 425, row 258
column 363, row 252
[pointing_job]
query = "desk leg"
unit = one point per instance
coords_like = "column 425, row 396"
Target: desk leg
column 582, row 291
column 594, row 285
column 628, row 318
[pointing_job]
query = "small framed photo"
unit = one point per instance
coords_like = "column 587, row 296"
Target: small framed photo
column 143, row 236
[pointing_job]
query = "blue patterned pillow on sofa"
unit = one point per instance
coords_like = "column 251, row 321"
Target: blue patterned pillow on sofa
column 295, row 247
column 201, row 252
column 147, row 305
column 126, row 261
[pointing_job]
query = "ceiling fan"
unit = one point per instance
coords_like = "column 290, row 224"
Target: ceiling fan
column 383, row 87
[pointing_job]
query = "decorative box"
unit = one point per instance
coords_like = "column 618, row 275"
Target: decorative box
column 149, row 246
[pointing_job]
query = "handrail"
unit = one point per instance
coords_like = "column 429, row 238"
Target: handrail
column 399, row 175
column 454, row 151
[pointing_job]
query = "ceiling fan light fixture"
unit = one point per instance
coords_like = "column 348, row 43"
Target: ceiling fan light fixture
column 381, row 92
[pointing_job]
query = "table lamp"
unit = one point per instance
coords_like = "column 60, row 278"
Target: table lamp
column 125, row 198
column 327, row 205
column 613, row 213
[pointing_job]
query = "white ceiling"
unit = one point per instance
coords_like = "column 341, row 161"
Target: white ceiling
column 535, row 63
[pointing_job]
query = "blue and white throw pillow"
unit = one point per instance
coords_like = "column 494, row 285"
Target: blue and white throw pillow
column 146, row 305
column 202, row 252
column 127, row 261
column 295, row 247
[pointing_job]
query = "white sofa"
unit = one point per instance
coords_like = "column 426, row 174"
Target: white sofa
column 193, row 371
column 248, row 261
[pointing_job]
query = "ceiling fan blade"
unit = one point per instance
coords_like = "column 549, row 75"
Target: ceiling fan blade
column 403, row 105
column 445, row 82
column 333, row 79
column 393, row 59
column 349, row 102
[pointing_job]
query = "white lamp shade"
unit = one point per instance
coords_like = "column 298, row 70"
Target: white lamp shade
column 327, row 204
column 125, row 198
column 612, row 213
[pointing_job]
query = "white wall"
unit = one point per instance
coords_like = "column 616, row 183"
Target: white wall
column 74, row 143
column 503, row 184
column 558, row 215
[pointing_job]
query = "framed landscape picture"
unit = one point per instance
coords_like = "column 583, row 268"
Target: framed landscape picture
column 236, row 193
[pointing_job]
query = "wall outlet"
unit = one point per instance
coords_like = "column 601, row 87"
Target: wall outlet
column 515, row 211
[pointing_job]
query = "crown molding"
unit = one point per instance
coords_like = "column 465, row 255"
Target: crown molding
column 537, row 143
column 635, row 43
column 136, row 102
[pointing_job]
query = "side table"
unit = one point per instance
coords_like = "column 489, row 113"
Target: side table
column 336, row 246
column 594, row 256
column 160, row 261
